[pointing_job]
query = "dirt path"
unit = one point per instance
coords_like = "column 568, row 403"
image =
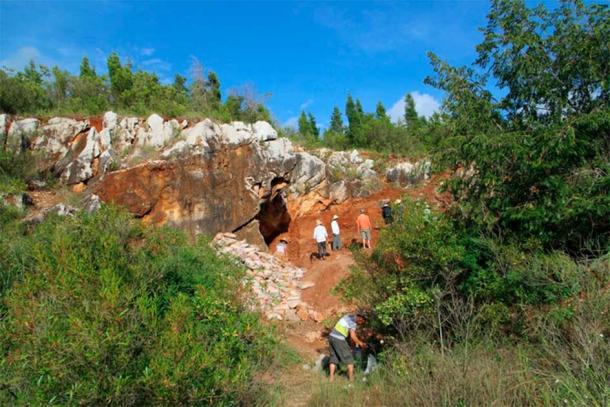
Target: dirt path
column 308, row 338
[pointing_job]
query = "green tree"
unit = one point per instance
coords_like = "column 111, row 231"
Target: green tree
column 353, row 111
column 86, row 70
column 468, row 106
column 303, row 123
column 336, row 122
column 60, row 86
column 411, row 117
column 214, row 89
column 380, row 112
column 313, row 127
column 121, row 79
column 552, row 64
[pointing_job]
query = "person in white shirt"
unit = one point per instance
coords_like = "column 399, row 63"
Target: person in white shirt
column 320, row 235
column 280, row 249
column 334, row 226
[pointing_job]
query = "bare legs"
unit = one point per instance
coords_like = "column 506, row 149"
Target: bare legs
column 350, row 372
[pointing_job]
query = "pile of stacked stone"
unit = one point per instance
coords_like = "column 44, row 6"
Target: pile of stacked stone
column 275, row 285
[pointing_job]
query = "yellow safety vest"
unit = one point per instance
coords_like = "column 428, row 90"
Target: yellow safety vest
column 341, row 329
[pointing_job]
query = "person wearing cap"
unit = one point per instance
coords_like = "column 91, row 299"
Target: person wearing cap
column 320, row 236
column 340, row 350
column 386, row 213
column 334, row 226
column 363, row 223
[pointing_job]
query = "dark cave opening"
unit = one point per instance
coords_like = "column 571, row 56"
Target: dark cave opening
column 273, row 216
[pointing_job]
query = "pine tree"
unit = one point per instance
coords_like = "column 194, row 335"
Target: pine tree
column 121, row 77
column 303, row 124
column 313, row 128
column 380, row 112
column 86, row 70
column 214, row 89
column 180, row 84
column 353, row 119
column 336, row 122
column 411, row 117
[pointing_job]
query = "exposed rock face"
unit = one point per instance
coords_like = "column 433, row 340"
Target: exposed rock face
column 353, row 175
column 309, row 172
column 406, row 173
column 263, row 131
column 339, row 191
column 4, row 120
column 204, row 177
column 80, row 158
column 20, row 134
column 56, row 137
column 157, row 132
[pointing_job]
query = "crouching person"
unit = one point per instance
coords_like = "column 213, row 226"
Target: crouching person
column 340, row 350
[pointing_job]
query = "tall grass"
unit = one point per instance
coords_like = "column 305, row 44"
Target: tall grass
column 98, row 309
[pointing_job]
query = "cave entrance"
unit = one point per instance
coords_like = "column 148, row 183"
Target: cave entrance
column 273, row 216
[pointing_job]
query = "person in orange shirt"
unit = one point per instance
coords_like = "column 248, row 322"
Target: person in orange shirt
column 364, row 228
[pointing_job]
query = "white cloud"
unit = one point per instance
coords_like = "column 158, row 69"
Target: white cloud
column 147, row 51
column 292, row 122
column 22, row 57
column 425, row 105
column 157, row 64
column 306, row 104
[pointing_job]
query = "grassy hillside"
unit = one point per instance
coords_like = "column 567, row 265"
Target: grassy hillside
column 97, row 309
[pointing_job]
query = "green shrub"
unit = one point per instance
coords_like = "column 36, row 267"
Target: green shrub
column 108, row 312
column 427, row 273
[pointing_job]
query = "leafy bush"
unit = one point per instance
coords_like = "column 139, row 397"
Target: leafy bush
column 552, row 186
column 427, row 273
column 101, row 310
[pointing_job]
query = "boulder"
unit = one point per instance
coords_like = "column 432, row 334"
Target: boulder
column 157, row 132
column 237, row 133
column 111, row 120
column 92, row 203
column 4, row 120
column 280, row 152
column 308, row 173
column 125, row 134
column 56, row 136
column 180, row 148
column 263, row 131
column 199, row 193
column 79, row 161
column 366, row 171
column 339, row 191
column 203, row 134
column 406, row 173
column 20, row 134
column 109, row 161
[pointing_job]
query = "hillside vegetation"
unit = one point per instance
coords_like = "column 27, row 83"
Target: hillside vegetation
column 503, row 299
column 98, row 309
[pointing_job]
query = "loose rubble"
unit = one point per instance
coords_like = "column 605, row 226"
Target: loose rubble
column 275, row 284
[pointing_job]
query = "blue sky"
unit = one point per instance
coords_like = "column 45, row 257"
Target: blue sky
column 297, row 55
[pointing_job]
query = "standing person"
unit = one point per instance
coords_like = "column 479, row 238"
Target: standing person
column 280, row 249
column 386, row 213
column 340, row 351
column 334, row 226
column 363, row 224
column 320, row 235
